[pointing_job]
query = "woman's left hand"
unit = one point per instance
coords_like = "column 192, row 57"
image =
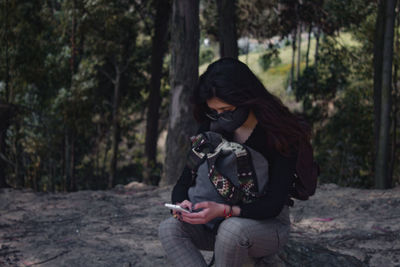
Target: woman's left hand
column 210, row 210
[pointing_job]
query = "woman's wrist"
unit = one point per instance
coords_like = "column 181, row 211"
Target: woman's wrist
column 229, row 211
column 236, row 211
column 223, row 210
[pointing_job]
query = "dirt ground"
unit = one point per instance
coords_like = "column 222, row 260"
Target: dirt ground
column 119, row 227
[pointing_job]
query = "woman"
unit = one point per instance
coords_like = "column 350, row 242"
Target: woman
column 230, row 100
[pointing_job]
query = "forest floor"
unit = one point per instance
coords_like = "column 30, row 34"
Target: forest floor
column 119, row 227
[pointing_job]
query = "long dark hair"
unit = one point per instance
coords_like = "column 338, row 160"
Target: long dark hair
column 233, row 82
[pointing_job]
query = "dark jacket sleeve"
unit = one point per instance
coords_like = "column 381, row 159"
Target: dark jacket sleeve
column 280, row 176
column 180, row 191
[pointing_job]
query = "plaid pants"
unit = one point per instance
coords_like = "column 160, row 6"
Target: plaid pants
column 236, row 240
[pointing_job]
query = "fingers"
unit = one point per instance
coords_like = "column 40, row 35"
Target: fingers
column 195, row 218
column 202, row 205
column 186, row 204
column 209, row 211
column 177, row 215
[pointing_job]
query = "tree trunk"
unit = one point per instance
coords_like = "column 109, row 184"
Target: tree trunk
column 291, row 82
column 317, row 36
column 105, row 158
column 308, row 45
column 382, row 157
column 160, row 44
column 377, row 62
column 74, row 67
column 67, row 156
column 69, row 181
column 298, row 52
column 5, row 109
column 3, row 164
column 72, row 186
column 19, row 173
column 227, row 28
column 247, row 50
column 395, row 101
column 7, row 78
column 184, row 76
column 115, row 130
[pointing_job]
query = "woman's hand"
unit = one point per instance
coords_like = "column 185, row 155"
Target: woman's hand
column 210, row 210
column 184, row 204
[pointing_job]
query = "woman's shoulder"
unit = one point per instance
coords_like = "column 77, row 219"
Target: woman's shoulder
column 258, row 141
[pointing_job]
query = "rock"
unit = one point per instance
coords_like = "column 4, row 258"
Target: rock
column 314, row 255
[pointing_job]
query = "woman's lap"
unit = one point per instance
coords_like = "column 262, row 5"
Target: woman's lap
column 201, row 237
column 182, row 242
column 237, row 239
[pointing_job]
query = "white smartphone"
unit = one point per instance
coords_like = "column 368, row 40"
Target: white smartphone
column 176, row 207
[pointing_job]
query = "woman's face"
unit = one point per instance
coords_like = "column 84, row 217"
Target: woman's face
column 224, row 116
column 219, row 105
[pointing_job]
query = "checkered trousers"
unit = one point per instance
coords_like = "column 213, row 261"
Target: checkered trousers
column 236, row 240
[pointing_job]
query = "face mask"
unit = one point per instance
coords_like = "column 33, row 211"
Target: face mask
column 228, row 121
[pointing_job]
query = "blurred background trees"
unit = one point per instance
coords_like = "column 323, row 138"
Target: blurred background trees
column 95, row 93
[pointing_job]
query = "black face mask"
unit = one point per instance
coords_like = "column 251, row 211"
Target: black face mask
column 228, row 121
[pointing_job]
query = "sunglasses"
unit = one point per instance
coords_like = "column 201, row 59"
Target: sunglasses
column 226, row 115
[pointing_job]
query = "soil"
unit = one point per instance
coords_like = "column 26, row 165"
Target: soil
column 119, row 227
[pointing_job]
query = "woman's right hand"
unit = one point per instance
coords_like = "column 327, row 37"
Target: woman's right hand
column 184, row 204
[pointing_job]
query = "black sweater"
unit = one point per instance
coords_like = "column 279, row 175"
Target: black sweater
column 281, row 171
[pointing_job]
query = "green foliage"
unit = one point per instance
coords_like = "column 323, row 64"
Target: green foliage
column 270, row 58
column 61, row 80
column 337, row 99
column 344, row 143
column 318, row 85
column 206, row 56
column 63, row 57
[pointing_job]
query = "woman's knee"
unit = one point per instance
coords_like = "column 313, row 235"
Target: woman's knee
column 233, row 232
column 168, row 227
column 283, row 235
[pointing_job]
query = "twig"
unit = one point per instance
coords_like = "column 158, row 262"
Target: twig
column 50, row 259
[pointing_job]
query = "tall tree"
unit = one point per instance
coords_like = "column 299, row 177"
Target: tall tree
column 159, row 47
column 115, row 129
column 227, row 28
column 291, row 77
column 382, row 179
column 377, row 64
column 308, row 44
column 20, row 71
column 317, row 40
column 113, row 44
column 299, row 30
column 395, row 115
column 7, row 112
column 4, row 107
column 184, row 76
column 69, row 143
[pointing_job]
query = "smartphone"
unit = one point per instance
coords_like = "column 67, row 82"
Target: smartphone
column 176, row 207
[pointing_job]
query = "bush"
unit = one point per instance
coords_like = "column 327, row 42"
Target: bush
column 344, row 144
column 206, row 56
column 270, row 58
column 338, row 102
